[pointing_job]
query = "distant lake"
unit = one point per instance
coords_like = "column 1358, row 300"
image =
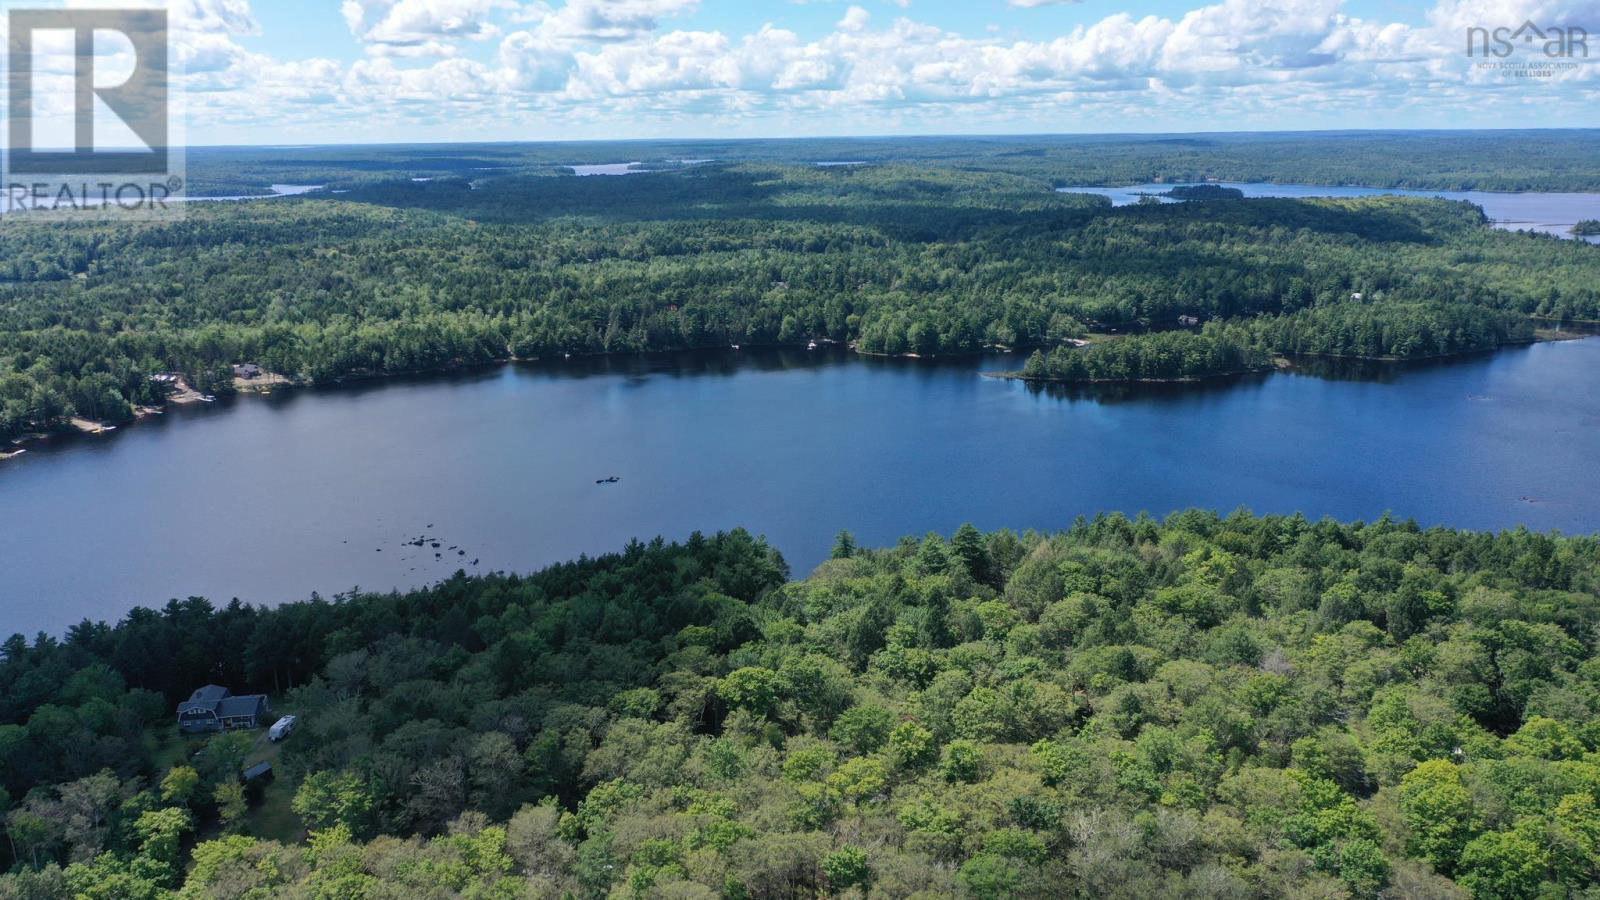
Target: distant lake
column 628, row 168
column 278, row 190
column 1548, row 212
column 634, row 168
column 271, row 498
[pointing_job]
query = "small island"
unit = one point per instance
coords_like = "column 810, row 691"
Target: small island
column 1204, row 192
column 1397, row 331
column 1587, row 227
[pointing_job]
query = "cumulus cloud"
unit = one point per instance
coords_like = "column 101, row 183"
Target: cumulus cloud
column 603, row 21
column 1238, row 61
column 421, row 26
column 214, row 16
column 855, row 19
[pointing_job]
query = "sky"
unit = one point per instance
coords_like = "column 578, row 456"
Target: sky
column 336, row 71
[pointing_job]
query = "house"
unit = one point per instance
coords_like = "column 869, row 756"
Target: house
column 247, row 370
column 215, row 708
column 1188, row 321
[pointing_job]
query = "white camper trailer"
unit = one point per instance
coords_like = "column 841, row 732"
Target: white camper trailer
column 281, row 728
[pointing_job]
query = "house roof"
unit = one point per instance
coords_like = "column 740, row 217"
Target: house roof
column 257, row 770
column 223, row 704
column 241, row 706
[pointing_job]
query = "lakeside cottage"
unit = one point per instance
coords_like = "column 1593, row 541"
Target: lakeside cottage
column 215, row 708
column 247, row 370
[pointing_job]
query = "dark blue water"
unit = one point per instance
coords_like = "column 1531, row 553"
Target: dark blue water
column 1546, row 212
column 269, row 499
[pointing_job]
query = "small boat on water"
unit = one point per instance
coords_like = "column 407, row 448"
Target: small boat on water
column 812, row 345
column 612, row 480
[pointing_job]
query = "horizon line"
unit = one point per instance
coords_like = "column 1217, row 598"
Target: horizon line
column 892, row 137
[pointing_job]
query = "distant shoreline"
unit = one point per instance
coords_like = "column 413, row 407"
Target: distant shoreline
column 271, row 382
column 1283, row 363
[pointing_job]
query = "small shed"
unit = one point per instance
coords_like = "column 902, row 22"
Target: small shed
column 260, row 772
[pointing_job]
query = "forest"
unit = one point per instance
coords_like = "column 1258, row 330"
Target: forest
column 1204, row 192
column 396, row 275
column 1203, row 706
column 1499, row 160
column 1351, row 330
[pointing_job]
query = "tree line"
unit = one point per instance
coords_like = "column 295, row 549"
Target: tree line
column 1499, row 160
column 1351, row 330
column 402, row 277
column 1217, row 706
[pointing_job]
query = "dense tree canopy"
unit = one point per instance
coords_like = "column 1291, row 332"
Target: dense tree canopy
column 1352, row 329
column 399, row 276
column 1206, row 706
column 1499, row 160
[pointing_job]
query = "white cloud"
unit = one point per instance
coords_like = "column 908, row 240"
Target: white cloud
column 603, row 20
column 1238, row 63
column 226, row 16
column 421, row 27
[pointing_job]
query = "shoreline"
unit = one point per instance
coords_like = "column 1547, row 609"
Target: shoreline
column 1282, row 363
column 1106, row 382
column 1595, row 192
column 271, row 382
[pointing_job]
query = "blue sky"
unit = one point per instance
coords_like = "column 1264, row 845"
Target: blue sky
column 291, row 71
column 315, row 27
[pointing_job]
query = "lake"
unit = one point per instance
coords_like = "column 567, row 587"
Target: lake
column 271, row 498
column 1548, row 212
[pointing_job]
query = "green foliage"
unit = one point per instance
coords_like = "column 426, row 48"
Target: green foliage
column 231, row 804
column 1392, row 330
column 179, row 785
column 1205, row 192
column 752, row 687
column 963, row 761
column 329, row 799
column 1502, row 866
column 938, row 254
column 863, row 728
column 1205, row 706
column 847, row 868
column 1439, row 812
